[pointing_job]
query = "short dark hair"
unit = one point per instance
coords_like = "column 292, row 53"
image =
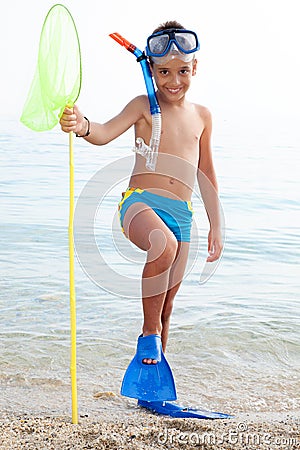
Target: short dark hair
column 167, row 25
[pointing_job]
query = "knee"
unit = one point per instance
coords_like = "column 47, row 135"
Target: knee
column 168, row 255
column 170, row 251
column 163, row 250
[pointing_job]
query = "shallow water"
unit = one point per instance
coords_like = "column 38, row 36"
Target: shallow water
column 234, row 340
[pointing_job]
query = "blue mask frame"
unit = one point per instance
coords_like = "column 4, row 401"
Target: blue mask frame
column 168, row 37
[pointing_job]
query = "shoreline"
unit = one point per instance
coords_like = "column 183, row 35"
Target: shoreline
column 141, row 430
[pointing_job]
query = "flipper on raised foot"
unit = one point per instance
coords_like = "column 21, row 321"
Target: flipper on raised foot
column 149, row 382
column 180, row 412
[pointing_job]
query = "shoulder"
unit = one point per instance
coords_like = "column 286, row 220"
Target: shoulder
column 204, row 114
column 139, row 101
column 138, row 105
column 135, row 108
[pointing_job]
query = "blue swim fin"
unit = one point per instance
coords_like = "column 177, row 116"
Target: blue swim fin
column 174, row 410
column 149, row 382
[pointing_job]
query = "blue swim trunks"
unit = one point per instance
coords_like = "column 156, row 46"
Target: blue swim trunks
column 176, row 214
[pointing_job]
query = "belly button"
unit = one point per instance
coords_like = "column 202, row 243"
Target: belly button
column 172, row 181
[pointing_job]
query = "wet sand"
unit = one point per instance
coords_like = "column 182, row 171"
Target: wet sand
column 140, row 429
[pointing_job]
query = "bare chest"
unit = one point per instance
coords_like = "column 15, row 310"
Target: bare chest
column 180, row 136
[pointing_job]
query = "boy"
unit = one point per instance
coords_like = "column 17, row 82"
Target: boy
column 155, row 211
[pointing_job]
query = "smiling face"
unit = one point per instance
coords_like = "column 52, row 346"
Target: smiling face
column 173, row 78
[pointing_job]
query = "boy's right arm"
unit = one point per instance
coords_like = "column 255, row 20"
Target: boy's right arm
column 72, row 120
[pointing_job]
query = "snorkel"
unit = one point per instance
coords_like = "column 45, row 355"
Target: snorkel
column 150, row 151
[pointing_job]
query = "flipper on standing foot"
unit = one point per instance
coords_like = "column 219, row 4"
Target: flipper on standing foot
column 180, row 412
column 149, row 382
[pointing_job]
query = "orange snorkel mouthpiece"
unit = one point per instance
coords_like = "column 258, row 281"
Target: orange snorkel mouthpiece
column 122, row 41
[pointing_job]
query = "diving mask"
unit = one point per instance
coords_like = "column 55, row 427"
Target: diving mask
column 172, row 43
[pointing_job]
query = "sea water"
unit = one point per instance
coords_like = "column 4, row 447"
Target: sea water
column 234, row 338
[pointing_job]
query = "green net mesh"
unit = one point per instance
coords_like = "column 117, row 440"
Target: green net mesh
column 57, row 79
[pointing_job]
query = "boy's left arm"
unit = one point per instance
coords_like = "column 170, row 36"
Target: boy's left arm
column 207, row 181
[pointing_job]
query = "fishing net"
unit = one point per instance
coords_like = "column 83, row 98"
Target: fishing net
column 56, row 84
column 57, row 79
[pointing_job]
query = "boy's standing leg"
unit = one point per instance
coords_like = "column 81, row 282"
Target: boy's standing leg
column 163, row 271
column 148, row 232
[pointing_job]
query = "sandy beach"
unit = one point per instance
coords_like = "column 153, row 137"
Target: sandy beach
column 142, row 430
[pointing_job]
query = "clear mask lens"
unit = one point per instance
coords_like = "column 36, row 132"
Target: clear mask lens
column 174, row 53
column 186, row 41
column 160, row 44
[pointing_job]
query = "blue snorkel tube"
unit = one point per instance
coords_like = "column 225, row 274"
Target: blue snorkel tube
column 150, row 152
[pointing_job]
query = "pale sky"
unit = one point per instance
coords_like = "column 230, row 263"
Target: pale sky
column 249, row 56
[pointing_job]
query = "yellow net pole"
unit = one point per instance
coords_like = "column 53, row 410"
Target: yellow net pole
column 72, row 287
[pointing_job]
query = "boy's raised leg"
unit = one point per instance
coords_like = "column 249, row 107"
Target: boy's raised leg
column 175, row 278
